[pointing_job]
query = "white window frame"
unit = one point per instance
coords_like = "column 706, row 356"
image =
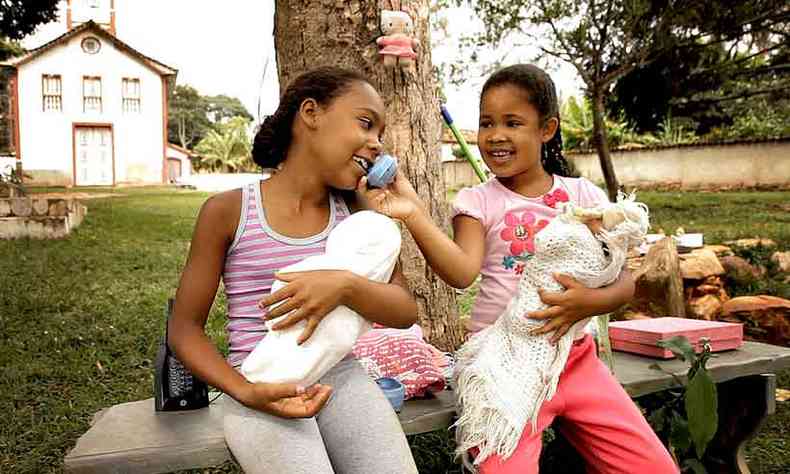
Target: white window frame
column 51, row 93
column 91, row 94
column 130, row 93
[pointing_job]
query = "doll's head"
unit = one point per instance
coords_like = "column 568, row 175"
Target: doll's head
column 393, row 22
column 625, row 221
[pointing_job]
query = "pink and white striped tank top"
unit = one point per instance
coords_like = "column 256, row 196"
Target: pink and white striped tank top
column 256, row 254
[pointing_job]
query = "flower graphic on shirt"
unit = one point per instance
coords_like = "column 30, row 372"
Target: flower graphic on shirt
column 559, row 195
column 520, row 230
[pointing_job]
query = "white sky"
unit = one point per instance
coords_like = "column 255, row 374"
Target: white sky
column 221, row 48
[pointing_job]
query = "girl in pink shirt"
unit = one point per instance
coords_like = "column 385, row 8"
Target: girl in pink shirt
column 494, row 226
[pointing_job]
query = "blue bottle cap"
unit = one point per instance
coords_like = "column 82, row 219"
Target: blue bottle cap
column 383, row 171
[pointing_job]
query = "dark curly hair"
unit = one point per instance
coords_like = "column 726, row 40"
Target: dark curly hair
column 274, row 135
column 543, row 96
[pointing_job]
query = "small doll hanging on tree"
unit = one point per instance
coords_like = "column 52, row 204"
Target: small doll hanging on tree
column 397, row 44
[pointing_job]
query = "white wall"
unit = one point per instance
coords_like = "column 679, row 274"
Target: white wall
column 46, row 137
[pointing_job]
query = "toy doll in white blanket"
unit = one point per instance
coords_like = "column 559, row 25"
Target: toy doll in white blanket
column 366, row 243
column 504, row 374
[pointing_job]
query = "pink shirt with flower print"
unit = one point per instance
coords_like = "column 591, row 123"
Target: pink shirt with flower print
column 511, row 222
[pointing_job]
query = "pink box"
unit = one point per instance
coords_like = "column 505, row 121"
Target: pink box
column 641, row 336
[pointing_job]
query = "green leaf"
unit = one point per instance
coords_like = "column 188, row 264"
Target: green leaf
column 695, row 465
column 680, row 346
column 702, row 410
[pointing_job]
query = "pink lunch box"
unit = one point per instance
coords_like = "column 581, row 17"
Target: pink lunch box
column 640, row 336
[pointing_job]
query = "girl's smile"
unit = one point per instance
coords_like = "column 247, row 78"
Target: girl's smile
column 501, row 156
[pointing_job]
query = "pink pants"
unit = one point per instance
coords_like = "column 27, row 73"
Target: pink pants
column 597, row 417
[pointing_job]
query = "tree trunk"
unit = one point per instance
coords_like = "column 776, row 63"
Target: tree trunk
column 182, row 139
column 312, row 33
column 601, row 140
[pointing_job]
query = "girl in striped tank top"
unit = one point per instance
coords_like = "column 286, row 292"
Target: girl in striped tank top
column 321, row 140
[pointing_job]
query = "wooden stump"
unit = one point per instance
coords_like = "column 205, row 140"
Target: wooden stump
column 659, row 286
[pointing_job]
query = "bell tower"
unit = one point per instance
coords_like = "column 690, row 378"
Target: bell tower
column 102, row 12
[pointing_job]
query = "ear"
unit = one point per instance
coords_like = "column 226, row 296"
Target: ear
column 309, row 112
column 549, row 129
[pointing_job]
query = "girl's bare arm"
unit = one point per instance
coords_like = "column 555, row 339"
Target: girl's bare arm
column 457, row 261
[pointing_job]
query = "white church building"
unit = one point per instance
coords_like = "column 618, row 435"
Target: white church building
column 87, row 109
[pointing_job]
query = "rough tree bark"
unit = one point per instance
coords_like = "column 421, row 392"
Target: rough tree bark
column 312, row 33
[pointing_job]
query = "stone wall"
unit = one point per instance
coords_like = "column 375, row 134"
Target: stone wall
column 759, row 163
column 39, row 218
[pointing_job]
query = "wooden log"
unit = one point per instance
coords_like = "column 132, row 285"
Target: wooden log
column 5, row 207
column 40, row 207
column 659, row 286
column 21, row 207
column 782, row 261
column 58, row 207
column 766, row 318
column 699, row 265
column 705, row 307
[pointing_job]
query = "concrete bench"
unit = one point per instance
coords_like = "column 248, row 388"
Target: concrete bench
column 132, row 437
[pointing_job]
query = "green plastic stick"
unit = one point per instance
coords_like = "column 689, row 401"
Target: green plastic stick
column 464, row 147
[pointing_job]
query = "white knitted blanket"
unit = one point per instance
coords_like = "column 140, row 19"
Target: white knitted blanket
column 503, row 374
column 366, row 243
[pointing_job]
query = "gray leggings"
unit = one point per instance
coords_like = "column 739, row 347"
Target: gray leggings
column 356, row 432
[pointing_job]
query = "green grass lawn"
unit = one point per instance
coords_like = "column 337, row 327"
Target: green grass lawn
column 80, row 318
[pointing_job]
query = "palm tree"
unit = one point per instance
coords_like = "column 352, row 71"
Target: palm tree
column 227, row 149
column 578, row 128
column 577, row 123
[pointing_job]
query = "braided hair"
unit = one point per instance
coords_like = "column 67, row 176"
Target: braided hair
column 323, row 84
column 543, row 96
